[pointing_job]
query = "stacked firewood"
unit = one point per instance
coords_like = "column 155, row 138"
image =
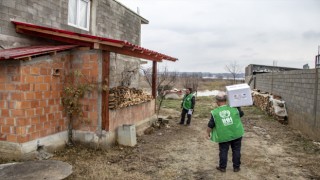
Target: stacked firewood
column 271, row 104
column 122, row 96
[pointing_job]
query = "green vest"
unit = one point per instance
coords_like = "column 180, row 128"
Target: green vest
column 187, row 103
column 228, row 125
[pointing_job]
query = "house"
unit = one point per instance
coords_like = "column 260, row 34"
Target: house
column 41, row 42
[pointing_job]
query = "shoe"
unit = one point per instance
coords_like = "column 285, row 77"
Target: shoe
column 236, row 169
column 180, row 123
column 221, row 169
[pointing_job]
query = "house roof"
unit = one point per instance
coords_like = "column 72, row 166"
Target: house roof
column 95, row 42
column 26, row 52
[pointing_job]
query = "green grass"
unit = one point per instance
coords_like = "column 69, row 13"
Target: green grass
column 202, row 108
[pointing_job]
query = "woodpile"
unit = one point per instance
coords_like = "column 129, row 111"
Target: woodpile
column 122, row 96
column 272, row 105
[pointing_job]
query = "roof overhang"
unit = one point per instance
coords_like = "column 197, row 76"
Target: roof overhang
column 25, row 53
column 94, row 42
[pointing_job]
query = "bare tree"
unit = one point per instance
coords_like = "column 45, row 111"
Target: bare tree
column 165, row 81
column 165, row 78
column 191, row 80
column 234, row 69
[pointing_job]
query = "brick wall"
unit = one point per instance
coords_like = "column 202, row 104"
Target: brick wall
column 108, row 19
column 30, row 98
column 301, row 91
column 89, row 64
column 131, row 115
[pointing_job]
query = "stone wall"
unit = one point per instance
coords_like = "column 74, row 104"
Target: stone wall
column 301, row 91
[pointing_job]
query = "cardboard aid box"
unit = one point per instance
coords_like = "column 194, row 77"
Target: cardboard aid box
column 239, row 95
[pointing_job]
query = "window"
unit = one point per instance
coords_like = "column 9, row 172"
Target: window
column 79, row 13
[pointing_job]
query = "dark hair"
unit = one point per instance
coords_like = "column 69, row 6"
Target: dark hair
column 190, row 89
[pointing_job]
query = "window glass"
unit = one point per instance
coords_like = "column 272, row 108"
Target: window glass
column 78, row 13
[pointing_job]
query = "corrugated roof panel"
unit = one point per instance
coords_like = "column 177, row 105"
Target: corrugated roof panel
column 22, row 52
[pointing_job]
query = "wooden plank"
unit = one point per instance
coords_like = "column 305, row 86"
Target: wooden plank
column 154, row 80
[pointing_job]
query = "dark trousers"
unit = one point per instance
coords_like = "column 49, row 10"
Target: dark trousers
column 183, row 116
column 223, row 154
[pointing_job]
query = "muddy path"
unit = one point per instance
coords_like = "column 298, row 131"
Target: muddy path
column 270, row 150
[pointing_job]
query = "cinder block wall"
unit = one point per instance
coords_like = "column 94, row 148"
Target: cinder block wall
column 30, row 98
column 301, row 91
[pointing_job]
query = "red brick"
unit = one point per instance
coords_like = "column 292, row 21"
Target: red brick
column 94, row 57
column 4, row 113
column 46, row 110
column 44, row 71
column 47, row 79
column 47, row 125
column 2, row 87
column 3, row 137
column 43, row 103
column 17, row 112
column 38, row 95
column 11, row 138
column 47, row 95
column 25, row 87
column 3, row 104
column 10, row 87
column 30, row 112
column 34, row 136
column 43, row 133
column 16, row 96
column 29, row 95
column 16, row 78
column 39, row 111
column 35, row 70
column 10, row 121
column 34, row 104
column 23, row 138
column 35, row 120
column 30, row 129
column 50, row 102
column 20, row 130
column 39, row 127
column 23, row 105
column 39, row 79
column 6, row 129
column 43, row 119
column 50, row 117
column 21, row 122
column 29, row 79
column 25, row 70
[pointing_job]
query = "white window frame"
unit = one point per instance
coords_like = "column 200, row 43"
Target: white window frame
column 77, row 25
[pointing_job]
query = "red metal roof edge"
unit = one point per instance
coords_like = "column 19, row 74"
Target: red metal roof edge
column 15, row 53
column 124, row 43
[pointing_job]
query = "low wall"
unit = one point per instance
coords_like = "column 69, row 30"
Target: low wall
column 301, row 91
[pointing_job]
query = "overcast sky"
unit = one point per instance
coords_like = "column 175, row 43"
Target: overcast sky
column 206, row 35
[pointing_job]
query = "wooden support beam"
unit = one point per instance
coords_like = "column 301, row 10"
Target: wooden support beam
column 154, row 79
column 129, row 53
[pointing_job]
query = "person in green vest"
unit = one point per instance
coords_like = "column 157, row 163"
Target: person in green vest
column 187, row 106
column 225, row 127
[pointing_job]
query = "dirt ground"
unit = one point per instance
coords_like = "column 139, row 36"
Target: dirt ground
column 270, row 150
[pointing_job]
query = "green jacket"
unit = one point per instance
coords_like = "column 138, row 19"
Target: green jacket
column 228, row 125
column 187, row 101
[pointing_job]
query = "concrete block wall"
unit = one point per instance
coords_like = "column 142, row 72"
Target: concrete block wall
column 300, row 89
column 30, row 98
